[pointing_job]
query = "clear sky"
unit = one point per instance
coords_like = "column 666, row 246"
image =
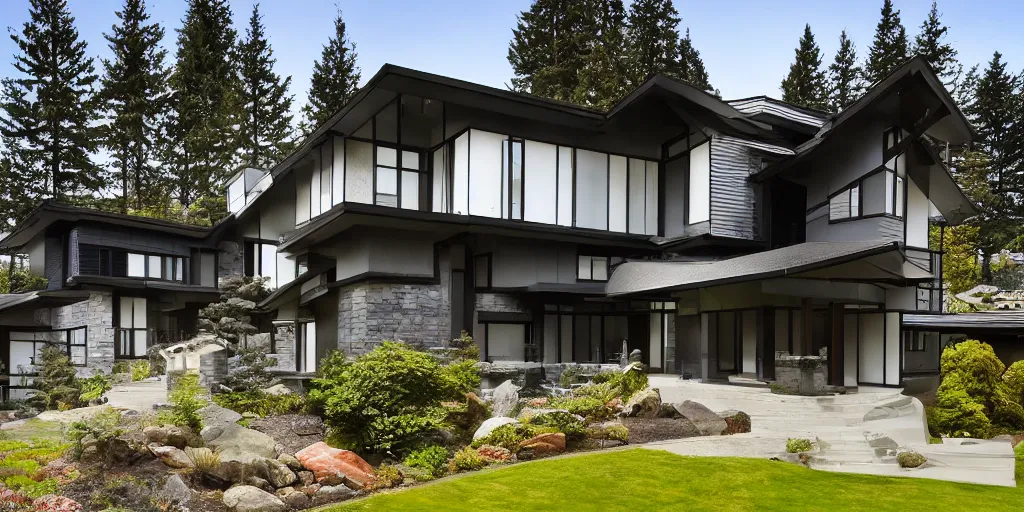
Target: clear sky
column 747, row 45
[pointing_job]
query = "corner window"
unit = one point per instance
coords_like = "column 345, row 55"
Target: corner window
column 398, row 181
column 592, row 268
column 845, row 204
column 482, row 272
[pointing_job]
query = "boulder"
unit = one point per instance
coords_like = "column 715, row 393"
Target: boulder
column 246, row 498
column 176, row 491
column 307, row 426
column 260, row 483
column 332, row 493
column 171, row 456
column 643, row 404
column 736, row 422
column 506, row 398
column 236, row 442
column 706, row 420
column 297, row 500
column 277, row 473
column 334, row 466
column 306, row 477
column 290, row 461
column 488, row 426
column 215, row 419
column 544, row 444
column 167, row 435
column 278, row 390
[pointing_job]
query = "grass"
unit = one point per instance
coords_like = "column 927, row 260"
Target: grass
column 36, row 429
column 641, row 479
column 1019, row 464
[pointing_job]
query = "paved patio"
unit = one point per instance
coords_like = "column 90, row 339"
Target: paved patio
column 857, row 432
column 140, row 396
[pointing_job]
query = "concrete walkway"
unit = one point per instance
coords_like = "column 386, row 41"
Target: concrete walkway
column 140, row 396
column 859, row 433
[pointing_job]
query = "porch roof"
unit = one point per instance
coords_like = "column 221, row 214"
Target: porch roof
column 850, row 261
column 987, row 321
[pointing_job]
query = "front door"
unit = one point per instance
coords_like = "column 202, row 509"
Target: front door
column 639, row 327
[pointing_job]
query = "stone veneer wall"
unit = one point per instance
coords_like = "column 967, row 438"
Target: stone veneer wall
column 369, row 313
column 499, row 303
column 97, row 314
column 284, row 346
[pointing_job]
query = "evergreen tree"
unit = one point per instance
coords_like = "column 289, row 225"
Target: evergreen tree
column 889, row 48
column 602, row 80
column 205, row 102
column 653, row 41
column 844, row 76
column 691, row 68
column 335, row 78
column 805, row 84
column 551, row 44
column 265, row 135
column 134, row 95
column 941, row 55
column 50, row 109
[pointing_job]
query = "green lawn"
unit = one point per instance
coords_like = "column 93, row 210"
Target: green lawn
column 643, row 479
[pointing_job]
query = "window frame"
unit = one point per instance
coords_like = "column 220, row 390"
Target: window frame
column 253, row 254
column 530, row 342
column 489, row 258
column 859, row 183
column 111, row 253
column 607, row 268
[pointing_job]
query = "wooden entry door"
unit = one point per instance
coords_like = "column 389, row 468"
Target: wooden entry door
column 639, row 327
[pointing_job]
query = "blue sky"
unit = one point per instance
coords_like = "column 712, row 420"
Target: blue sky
column 747, row 45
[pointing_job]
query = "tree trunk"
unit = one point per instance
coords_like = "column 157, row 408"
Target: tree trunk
column 986, row 267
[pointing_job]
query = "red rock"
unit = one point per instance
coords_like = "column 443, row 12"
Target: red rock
column 54, row 503
column 545, row 444
column 334, row 465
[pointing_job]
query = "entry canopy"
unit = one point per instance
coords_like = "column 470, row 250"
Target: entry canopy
column 872, row 261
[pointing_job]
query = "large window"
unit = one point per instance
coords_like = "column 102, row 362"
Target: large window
column 592, row 268
column 263, row 260
column 132, row 334
column 26, row 347
column 398, row 178
column 103, row 261
column 878, row 193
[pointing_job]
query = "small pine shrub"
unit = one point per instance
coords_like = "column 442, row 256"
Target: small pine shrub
column 140, row 370
column 467, row 459
column 432, row 459
column 388, row 477
column 186, row 399
column 794, row 445
column 566, row 423
column 910, row 459
column 103, row 426
column 58, row 385
column 94, row 387
column 511, row 435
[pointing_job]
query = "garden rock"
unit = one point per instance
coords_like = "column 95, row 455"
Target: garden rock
column 278, row 473
column 260, row 483
column 643, row 404
column 736, row 422
column 278, row 390
column 167, row 435
column 332, row 493
column 246, row 498
column 488, row 426
column 171, row 456
column 175, row 490
column 334, row 466
column 297, row 500
column 290, row 461
column 306, row 477
column 307, row 426
column 544, row 444
column 215, row 419
column 706, row 420
column 236, row 442
column 506, row 398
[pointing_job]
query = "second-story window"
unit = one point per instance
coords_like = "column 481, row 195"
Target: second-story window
column 592, row 268
column 104, row 261
column 398, row 182
column 263, row 260
column 845, row 204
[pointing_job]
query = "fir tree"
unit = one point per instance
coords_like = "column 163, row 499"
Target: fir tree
column 691, row 68
column 805, row 84
column 205, row 102
column 551, row 45
column 134, row 95
column 602, row 80
column 889, row 48
column 844, row 76
column 265, row 135
column 939, row 54
column 50, row 109
column 653, row 41
column 335, row 78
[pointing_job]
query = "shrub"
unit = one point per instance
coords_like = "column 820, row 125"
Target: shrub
column 1013, row 377
column 432, row 459
column 566, row 423
column 103, row 426
column 387, row 399
column 186, row 399
column 977, row 397
column 511, row 435
column 463, row 348
column 798, row 445
column 388, row 477
column 957, row 415
column 205, row 460
column 120, row 367
column 57, row 385
column 94, row 387
column 571, row 375
column 910, row 459
column 609, row 433
column 260, row 403
column 461, row 377
column 467, row 459
column 252, row 374
column 591, row 408
column 140, row 370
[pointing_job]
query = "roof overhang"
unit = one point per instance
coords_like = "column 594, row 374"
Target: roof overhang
column 865, row 262
column 1010, row 322
column 41, row 299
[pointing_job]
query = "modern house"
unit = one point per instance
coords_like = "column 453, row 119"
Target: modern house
column 709, row 234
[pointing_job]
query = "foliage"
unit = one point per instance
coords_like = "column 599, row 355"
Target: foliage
column 571, row 375
column 265, row 129
column 976, row 398
column 939, row 54
column 569, row 424
column 509, row 436
column 335, row 78
column 251, row 374
column 844, row 75
column 57, row 386
column 794, row 445
column 22, row 279
column 960, row 258
column 119, row 367
column 21, row 466
column 386, row 399
column 602, row 77
column 548, row 49
column 101, row 427
column 261, row 403
column 230, row 319
column 464, row 349
column 805, row 83
column 387, row 477
column 432, row 459
column 204, row 459
column 461, row 377
column 141, row 370
column 609, row 432
column 1013, row 377
column 590, row 407
column 889, row 48
column 186, row 399
column 467, row 459
column 94, row 387
column 910, row 459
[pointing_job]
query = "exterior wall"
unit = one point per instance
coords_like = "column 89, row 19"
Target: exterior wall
column 516, row 263
column 36, row 250
column 231, row 260
column 97, row 315
column 734, row 199
column 874, row 228
column 369, row 313
column 284, row 346
column 394, row 252
column 54, row 264
column 851, row 155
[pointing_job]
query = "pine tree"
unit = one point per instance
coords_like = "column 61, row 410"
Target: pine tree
column 889, row 48
column 551, row 45
column 265, row 135
column 653, row 41
column 50, row 110
column 335, row 78
column 691, row 68
column 941, row 55
column 844, row 76
column 134, row 95
column 205, row 102
column 805, row 84
column 602, row 80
